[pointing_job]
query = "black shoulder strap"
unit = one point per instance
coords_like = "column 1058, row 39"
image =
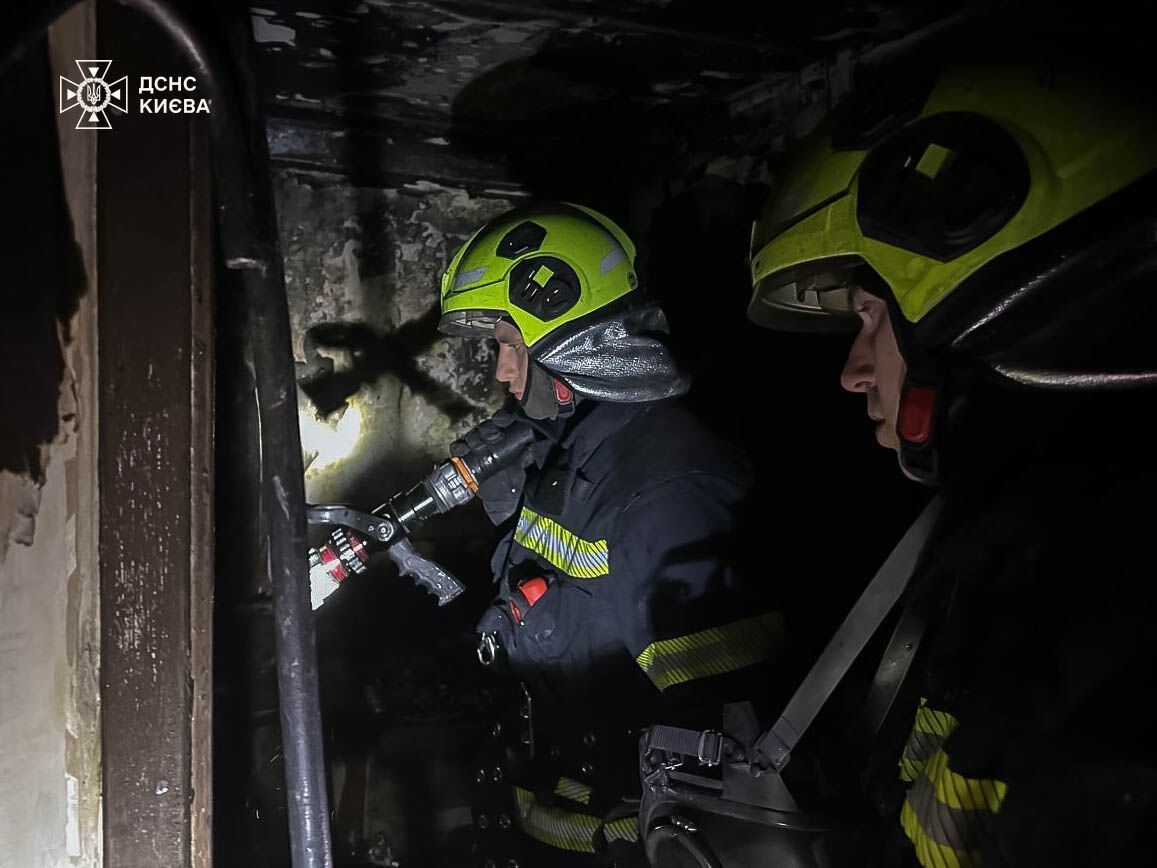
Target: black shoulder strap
column 858, row 627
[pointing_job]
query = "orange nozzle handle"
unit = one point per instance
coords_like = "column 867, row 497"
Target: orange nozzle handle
column 465, row 473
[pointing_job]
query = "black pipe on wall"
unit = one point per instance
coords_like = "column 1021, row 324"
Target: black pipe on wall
column 220, row 50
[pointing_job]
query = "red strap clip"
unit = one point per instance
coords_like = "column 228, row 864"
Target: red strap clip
column 562, row 392
column 916, row 409
column 531, row 590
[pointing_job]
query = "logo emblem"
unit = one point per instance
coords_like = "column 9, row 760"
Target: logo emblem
column 94, row 95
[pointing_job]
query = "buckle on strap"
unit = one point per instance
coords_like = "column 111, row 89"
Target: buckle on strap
column 709, row 751
column 706, row 746
column 487, row 649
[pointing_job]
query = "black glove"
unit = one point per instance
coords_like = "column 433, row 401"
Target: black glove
column 500, row 494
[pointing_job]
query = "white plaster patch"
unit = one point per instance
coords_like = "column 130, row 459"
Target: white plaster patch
column 353, row 274
column 19, row 503
column 39, row 812
column 72, row 818
column 70, row 545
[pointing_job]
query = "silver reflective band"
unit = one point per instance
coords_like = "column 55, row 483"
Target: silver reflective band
column 612, row 259
column 468, row 323
column 467, row 277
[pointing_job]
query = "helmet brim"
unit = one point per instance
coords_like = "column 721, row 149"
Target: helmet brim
column 813, row 297
column 471, row 322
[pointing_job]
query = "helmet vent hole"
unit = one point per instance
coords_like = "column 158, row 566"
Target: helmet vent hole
column 522, row 239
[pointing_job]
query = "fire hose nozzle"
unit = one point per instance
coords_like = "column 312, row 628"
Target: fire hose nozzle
column 451, row 484
column 343, row 554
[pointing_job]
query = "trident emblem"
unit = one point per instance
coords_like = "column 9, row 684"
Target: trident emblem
column 93, row 95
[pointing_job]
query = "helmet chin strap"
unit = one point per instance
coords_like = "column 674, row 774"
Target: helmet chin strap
column 923, row 400
column 545, row 397
column 917, row 423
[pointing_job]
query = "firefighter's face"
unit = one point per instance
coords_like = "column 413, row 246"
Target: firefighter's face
column 512, row 358
column 875, row 366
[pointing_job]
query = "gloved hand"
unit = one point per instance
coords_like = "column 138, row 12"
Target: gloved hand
column 500, row 493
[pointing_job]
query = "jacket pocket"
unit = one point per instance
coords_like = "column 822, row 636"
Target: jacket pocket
column 549, row 632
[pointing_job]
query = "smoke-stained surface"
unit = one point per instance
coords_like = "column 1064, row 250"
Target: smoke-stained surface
column 362, row 271
column 43, row 278
column 382, row 394
column 398, row 129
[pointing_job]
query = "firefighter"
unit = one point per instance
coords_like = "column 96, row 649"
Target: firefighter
column 617, row 601
column 992, row 239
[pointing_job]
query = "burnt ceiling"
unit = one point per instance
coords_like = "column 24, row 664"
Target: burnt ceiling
column 515, row 96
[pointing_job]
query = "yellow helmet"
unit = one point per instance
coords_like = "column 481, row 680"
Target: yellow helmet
column 565, row 275
column 973, row 208
column 1007, row 213
column 541, row 267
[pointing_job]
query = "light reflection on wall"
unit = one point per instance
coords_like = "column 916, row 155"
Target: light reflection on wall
column 325, row 442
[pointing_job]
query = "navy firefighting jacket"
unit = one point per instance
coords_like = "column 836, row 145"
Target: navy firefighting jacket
column 1032, row 738
column 630, row 518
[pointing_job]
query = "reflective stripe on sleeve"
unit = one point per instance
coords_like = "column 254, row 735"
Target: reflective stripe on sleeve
column 573, row 790
column 947, row 816
column 565, row 551
column 566, row 830
column 626, row 829
column 714, row 651
column 928, row 734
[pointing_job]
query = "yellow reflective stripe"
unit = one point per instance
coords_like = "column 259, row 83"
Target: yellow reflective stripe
column 910, row 769
column 573, row 790
column 577, row 557
column 939, row 723
column 626, row 829
column 928, row 734
column 711, row 652
column 946, row 815
column 957, row 791
column 554, row 827
column 929, row 853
